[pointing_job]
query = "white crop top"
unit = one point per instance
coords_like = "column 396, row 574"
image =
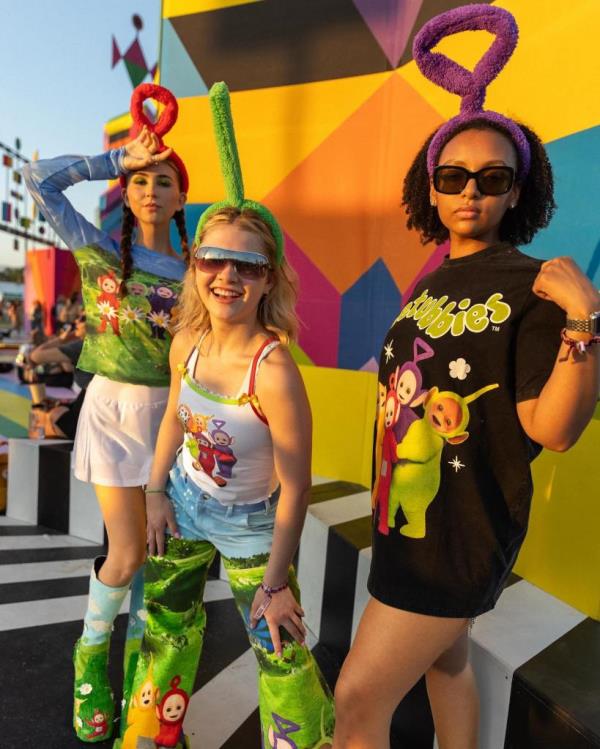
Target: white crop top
column 227, row 449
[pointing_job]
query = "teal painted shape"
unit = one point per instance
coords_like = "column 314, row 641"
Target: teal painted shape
column 177, row 72
column 9, row 428
column 193, row 211
column 575, row 228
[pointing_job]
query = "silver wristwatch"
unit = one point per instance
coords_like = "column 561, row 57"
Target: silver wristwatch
column 590, row 325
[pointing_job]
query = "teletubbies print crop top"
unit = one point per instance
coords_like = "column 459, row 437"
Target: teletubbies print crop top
column 227, row 449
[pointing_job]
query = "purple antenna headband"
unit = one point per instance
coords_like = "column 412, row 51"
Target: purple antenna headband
column 470, row 86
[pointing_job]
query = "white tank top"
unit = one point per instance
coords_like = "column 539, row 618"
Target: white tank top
column 227, row 449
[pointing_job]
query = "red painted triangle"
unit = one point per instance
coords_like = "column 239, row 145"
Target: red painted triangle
column 116, row 53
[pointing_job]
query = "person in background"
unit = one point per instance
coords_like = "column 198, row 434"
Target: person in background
column 36, row 322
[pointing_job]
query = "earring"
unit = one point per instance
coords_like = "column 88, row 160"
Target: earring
column 433, row 203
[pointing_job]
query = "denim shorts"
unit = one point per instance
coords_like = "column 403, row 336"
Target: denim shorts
column 237, row 531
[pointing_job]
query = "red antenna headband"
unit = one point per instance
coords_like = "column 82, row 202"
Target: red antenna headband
column 166, row 120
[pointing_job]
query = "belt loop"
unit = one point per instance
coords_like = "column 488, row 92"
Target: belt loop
column 267, row 504
column 229, row 511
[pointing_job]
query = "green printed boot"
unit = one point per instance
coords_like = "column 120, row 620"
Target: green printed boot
column 130, row 659
column 145, row 743
column 93, row 704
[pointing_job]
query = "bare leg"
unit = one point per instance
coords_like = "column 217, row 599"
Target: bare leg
column 38, row 392
column 453, row 691
column 124, row 516
column 51, row 417
column 124, row 513
column 391, row 651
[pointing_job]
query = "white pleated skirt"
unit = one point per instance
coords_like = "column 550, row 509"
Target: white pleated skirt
column 116, row 432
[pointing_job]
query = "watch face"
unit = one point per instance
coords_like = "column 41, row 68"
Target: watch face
column 595, row 323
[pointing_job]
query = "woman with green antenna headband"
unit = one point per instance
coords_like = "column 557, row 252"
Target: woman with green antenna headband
column 231, row 473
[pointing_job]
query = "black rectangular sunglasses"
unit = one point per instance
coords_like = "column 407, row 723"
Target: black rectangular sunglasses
column 492, row 180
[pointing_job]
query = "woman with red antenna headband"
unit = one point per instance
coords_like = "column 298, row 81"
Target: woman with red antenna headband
column 491, row 359
column 130, row 290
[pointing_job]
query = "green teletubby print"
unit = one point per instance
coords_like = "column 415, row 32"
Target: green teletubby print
column 290, row 687
column 416, row 474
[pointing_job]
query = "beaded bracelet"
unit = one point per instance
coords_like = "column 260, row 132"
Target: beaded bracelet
column 574, row 344
column 271, row 590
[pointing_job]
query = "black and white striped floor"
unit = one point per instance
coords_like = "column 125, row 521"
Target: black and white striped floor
column 537, row 660
column 43, row 591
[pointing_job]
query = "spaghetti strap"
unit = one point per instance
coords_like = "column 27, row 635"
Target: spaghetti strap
column 261, row 354
column 194, row 353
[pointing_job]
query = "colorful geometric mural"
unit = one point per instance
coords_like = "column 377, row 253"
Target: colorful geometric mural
column 330, row 109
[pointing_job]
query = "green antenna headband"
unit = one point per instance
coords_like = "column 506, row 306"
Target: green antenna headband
column 230, row 167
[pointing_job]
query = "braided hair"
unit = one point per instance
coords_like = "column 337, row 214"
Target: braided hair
column 179, row 218
column 127, row 227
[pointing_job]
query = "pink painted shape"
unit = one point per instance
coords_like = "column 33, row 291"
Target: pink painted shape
column 434, row 260
column 116, row 52
column 391, row 22
column 66, row 273
column 318, row 308
column 135, row 55
column 111, row 199
column 370, row 366
column 57, row 273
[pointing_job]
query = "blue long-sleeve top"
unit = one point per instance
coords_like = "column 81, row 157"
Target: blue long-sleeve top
column 127, row 337
column 47, row 181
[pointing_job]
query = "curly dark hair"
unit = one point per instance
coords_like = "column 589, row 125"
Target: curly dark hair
column 127, row 227
column 533, row 211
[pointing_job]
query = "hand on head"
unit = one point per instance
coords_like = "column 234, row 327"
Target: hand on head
column 143, row 151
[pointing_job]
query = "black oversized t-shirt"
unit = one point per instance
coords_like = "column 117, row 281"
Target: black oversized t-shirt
column 453, row 485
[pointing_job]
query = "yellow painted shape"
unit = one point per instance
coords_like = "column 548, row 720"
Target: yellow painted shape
column 300, row 356
column 343, row 424
column 118, row 124
column 561, row 553
column 276, row 128
column 550, row 82
column 15, row 408
column 172, row 8
column 357, row 210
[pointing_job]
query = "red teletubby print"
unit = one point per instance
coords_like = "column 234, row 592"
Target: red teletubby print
column 99, row 725
column 171, row 712
column 388, row 458
column 108, row 302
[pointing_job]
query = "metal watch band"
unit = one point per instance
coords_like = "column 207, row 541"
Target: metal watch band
column 589, row 325
column 581, row 326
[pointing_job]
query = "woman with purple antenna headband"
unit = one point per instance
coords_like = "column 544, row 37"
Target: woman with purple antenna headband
column 513, row 368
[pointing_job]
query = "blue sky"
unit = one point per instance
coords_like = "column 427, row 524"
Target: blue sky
column 58, row 88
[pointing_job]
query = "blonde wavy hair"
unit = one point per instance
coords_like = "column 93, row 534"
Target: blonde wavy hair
column 276, row 310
